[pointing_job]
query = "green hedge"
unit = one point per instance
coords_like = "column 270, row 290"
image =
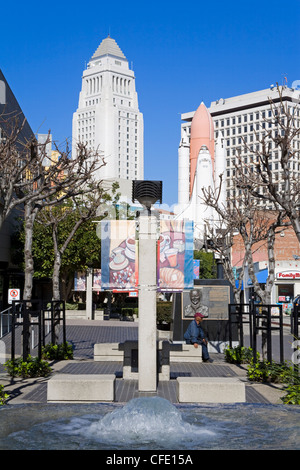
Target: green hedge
column 164, row 312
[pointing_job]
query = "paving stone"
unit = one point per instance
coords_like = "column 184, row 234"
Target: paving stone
column 83, row 338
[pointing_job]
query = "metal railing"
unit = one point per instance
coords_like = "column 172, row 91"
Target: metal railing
column 5, row 321
column 295, row 330
column 36, row 323
column 260, row 319
column 238, row 316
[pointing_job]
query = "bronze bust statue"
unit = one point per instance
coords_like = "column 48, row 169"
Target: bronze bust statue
column 195, row 304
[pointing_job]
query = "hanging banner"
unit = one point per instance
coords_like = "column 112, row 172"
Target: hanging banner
column 118, row 255
column 96, row 279
column 176, row 256
column 80, row 281
column 196, row 268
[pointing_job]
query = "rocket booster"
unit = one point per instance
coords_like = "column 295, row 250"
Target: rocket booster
column 204, row 179
column 220, row 169
column 183, row 170
column 202, row 133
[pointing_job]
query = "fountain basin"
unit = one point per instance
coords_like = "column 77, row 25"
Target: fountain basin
column 147, row 424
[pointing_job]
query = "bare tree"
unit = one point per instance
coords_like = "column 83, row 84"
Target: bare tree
column 279, row 191
column 83, row 209
column 244, row 217
column 64, row 178
column 16, row 153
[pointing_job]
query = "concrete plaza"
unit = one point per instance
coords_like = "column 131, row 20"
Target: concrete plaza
column 83, row 334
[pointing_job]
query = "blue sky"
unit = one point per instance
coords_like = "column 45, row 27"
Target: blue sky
column 182, row 53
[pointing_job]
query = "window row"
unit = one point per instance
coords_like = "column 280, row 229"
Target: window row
column 261, row 115
column 121, row 85
column 93, row 85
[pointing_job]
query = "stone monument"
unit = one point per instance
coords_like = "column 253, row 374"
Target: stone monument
column 211, row 297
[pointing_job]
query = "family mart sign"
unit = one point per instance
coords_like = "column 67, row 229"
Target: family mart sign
column 288, row 275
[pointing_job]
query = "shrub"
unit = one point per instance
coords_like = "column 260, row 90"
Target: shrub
column 239, row 355
column 293, row 395
column 3, row 396
column 57, row 352
column 33, row 367
column 265, row 371
column 164, row 312
column 71, row 306
column 127, row 312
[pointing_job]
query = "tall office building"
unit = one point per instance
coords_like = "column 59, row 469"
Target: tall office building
column 108, row 118
column 11, row 115
column 241, row 122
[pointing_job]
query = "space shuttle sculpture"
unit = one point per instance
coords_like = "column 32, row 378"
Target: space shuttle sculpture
column 200, row 162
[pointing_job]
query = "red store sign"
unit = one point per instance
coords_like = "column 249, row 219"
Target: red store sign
column 288, row 275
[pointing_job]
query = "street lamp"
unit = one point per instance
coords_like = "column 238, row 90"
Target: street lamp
column 147, row 193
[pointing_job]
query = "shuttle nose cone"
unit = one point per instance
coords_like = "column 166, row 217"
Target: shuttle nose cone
column 202, row 133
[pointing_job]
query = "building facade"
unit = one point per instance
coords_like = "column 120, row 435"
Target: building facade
column 237, row 126
column 287, row 267
column 11, row 114
column 242, row 122
column 108, row 119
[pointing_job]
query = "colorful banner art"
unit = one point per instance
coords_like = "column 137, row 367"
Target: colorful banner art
column 80, row 281
column 97, row 279
column 118, row 255
column 196, row 268
column 176, row 250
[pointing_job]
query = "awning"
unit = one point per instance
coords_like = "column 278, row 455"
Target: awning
column 261, row 277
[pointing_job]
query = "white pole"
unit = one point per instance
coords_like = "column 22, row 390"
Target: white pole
column 89, row 294
column 147, row 362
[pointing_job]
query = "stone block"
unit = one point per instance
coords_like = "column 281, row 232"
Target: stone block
column 71, row 388
column 108, row 352
column 188, row 354
column 210, row 390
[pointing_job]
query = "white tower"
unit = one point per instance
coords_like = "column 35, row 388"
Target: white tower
column 220, row 170
column 108, row 118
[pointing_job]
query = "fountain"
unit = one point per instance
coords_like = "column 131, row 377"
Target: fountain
column 149, row 423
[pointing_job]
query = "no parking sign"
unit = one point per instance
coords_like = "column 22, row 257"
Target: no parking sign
column 13, row 294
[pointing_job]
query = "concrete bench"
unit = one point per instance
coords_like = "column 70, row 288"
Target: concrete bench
column 130, row 363
column 71, row 388
column 188, row 354
column 129, row 350
column 210, row 390
column 108, row 352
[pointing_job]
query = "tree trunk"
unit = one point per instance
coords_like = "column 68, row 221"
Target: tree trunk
column 56, row 283
column 29, row 216
column 67, row 282
column 55, row 277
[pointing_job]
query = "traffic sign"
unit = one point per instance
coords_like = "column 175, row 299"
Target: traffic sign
column 13, row 294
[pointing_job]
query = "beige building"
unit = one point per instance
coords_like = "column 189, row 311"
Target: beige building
column 108, row 118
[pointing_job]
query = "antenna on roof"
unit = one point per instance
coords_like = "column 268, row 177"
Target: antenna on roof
column 284, row 80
